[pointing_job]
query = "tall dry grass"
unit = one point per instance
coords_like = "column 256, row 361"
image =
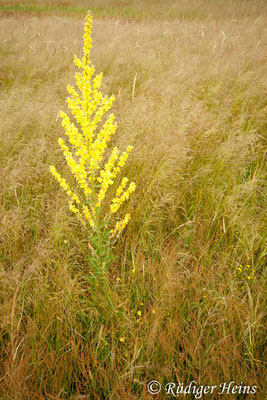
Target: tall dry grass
column 191, row 98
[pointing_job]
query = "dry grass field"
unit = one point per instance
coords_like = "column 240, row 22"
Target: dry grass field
column 189, row 79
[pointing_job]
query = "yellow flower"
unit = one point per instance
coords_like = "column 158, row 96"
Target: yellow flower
column 87, row 143
column 139, row 313
column 73, row 208
column 87, row 37
column 122, row 339
column 64, row 184
column 120, row 225
column 119, row 199
column 88, row 216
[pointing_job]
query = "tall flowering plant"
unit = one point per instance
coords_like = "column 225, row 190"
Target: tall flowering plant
column 86, row 151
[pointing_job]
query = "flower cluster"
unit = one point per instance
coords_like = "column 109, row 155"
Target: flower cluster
column 120, row 225
column 246, row 271
column 89, row 141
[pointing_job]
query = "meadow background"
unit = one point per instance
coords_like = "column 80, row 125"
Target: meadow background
column 190, row 84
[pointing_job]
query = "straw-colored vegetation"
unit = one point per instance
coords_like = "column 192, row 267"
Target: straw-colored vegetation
column 187, row 282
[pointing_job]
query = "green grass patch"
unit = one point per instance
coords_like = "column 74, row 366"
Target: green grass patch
column 125, row 12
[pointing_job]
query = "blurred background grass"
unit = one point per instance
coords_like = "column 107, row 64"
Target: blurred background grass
column 143, row 9
column 190, row 86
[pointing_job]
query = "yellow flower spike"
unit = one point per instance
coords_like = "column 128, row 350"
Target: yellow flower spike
column 120, row 225
column 73, row 208
column 97, row 81
column 64, row 184
column 98, row 147
column 122, row 186
column 87, row 38
column 87, row 145
column 78, row 62
column 106, row 176
column 74, row 94
column 78, row 170
column 117, row 201
column 123, row 159
column 88, row 216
